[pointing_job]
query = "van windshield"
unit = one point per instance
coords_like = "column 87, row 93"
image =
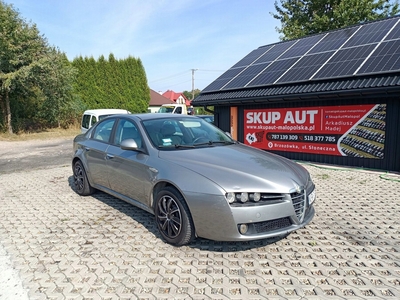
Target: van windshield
column 166, row 109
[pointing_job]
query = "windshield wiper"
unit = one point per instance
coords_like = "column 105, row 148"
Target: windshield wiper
column 175, row 146
column 183, row 146
column 210, row 143
column 223, row 142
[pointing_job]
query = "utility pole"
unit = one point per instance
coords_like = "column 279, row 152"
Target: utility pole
column 193, row 70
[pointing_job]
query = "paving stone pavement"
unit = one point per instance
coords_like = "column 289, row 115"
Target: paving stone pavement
column 69, row 247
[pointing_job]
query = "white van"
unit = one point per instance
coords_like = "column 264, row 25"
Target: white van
column 90, row 117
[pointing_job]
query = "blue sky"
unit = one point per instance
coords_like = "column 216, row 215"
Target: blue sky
column 170, row 37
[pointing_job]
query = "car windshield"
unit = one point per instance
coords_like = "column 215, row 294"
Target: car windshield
column 166, row 109
column 184, row 133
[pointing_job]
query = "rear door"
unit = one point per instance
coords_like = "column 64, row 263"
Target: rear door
column 96, row 152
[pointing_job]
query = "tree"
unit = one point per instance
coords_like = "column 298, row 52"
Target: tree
column 54, row 75
column 112, row 83
column 304, row 17
column 31, row 72
column 188, row 94
column 20, row 45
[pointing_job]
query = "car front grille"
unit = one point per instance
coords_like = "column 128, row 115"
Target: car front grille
column 272, row 225
column 299, row 204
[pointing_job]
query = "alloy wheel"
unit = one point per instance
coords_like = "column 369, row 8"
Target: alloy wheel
column 169, row 217
column 79, row 178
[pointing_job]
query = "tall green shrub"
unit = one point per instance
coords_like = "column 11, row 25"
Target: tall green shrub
column 112, row 83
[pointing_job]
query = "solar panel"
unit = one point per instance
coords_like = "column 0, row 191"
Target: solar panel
column 301, row 47
column 223, row 79
column 345, row 62
column 273, row 72
column 370, row 33
column 385, row 58
column 251, row 57
column 394, row 33
column 275, row 51
column 333, row 40
column 247, row 75
column 358, row 50
column 306, row 67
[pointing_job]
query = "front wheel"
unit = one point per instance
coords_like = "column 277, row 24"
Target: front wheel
column 81, row 181
column 173, row 217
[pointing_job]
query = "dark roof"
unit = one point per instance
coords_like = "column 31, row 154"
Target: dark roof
column 315, row 90
column 157, row 99
column 360, row 59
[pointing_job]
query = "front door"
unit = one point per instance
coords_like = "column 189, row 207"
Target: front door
column 127, row 168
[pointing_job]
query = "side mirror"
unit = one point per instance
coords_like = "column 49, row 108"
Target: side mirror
column 129, row 144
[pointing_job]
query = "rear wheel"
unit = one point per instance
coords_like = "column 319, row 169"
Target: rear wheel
column 173, row 217
column 81, row 181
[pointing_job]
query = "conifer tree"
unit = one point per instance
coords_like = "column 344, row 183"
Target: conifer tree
column 112, row 83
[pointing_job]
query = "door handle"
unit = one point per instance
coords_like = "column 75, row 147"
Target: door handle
column 154, row 170
column 109, row 156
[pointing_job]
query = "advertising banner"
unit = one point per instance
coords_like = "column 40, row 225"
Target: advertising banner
column 351, row 130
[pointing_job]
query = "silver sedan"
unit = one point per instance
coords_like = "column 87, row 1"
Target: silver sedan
column 194, row 178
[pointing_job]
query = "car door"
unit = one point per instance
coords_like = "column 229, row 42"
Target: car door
column 127, row 168
column 96, row 152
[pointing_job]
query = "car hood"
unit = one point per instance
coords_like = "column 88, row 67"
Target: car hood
column 241, row 168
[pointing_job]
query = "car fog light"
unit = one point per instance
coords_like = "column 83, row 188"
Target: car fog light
column 243, row 228
column 230, row 197
column 257, row 197
column 244, row 197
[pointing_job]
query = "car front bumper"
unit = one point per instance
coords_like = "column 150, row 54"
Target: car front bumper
column 215, row 219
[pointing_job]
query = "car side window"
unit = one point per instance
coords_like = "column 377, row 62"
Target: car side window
column 94, row 120
column 127, row 130
column 85, row 121
column 103, row 131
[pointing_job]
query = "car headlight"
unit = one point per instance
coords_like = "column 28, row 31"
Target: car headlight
column 257, row 197
column 242, row 197
column 312, row 197
column 230, row 197
column 309, row 182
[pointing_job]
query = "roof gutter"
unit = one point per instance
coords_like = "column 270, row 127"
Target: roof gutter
column 359, row 92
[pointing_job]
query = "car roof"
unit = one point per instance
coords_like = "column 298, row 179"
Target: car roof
column 155, row 116
column 105, row 111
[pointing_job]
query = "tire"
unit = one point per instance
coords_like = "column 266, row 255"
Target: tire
column 82, row 185
column 173, row 217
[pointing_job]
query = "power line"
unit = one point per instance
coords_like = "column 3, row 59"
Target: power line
column 184, row 72
column 171, row 76
column 211, row 70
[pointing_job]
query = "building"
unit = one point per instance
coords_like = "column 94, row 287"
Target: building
column 156, row 100
column 178, row 98
column 330, row 98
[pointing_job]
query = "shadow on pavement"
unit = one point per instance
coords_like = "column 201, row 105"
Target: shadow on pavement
column 147, row 220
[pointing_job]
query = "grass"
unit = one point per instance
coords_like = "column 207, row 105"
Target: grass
column 45, row 134
column 323, row 176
